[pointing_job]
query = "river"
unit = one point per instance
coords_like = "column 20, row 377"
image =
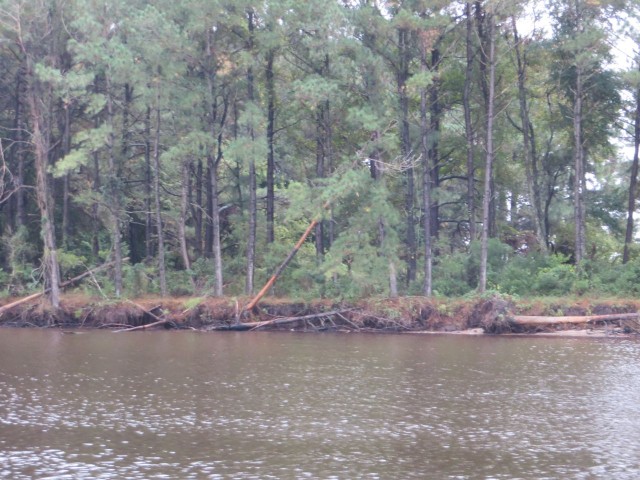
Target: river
column 290, row 405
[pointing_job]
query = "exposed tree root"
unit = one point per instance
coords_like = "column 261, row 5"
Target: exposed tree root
column 494, row 315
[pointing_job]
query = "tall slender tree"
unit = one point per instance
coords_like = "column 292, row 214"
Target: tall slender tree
column 633, row 179
column 488, row 168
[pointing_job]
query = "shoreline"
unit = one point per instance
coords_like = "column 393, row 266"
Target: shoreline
column 497, row 315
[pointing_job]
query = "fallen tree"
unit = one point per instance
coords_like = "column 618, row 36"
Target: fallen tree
column 21, row 301
column 524, row 320
column 267, row 286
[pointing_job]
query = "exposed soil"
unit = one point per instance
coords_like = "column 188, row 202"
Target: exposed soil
column 492, row 315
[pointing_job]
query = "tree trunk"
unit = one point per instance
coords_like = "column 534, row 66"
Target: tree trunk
column 530, row 154
column 114, row 195
column 213, row 241
column 377, row 174
column 579, row 176
column 158, row 207
column 253, row 204
column 327, row 148
column 482, row 286
column 39, row 139
column 66, row 198
column 433, row 152
column 633, row 182
column 251, row 240
column 95, row 234
column 393, row 280
column 196, row 209
column 182, row 223
column 211, row 192
column 215, row 224
column 271, row 117
column 319, row 232
column 426, row 137
column 468, row 125
column 148, row 222
column 405, row 148
column 393, row 275
column 126, row 134
column 481, row 19
column 328, row 158
column 21, row 211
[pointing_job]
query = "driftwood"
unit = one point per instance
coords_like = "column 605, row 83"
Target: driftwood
column 540, row 320
column 239, row 327
column 69, row 282
column 159, row 321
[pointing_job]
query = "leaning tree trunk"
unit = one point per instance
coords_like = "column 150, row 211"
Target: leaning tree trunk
column 486, row 200
column 633, row 183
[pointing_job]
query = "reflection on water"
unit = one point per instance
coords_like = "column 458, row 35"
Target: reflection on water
column 277, row 405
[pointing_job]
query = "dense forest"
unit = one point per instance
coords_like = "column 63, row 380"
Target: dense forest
column 443, row 147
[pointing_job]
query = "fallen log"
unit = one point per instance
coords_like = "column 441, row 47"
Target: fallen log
column 9, row 306
column 71, row 281
column 240, row 327
column 542, row 320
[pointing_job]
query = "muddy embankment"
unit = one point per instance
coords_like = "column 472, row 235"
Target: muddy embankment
column 492, row 315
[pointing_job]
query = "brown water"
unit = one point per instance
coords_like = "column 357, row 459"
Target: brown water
column 261, row 405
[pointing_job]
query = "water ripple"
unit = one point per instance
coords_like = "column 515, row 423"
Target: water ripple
column 162, row 405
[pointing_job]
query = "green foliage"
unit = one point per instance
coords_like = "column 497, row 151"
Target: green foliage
column 136, row 78
column 556, row 278
column 497, row 256
column 138, row 279
column 519, row 274
column 71, row 264
column 450, row 276
column 19, row 253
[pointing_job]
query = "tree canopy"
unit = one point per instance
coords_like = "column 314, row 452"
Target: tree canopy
column 443, row 147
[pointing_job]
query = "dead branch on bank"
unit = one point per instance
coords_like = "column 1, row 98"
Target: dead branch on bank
column 159, row 321
column 113, row 325
column 252, row 326
column 69, row 282
column 346, row 320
